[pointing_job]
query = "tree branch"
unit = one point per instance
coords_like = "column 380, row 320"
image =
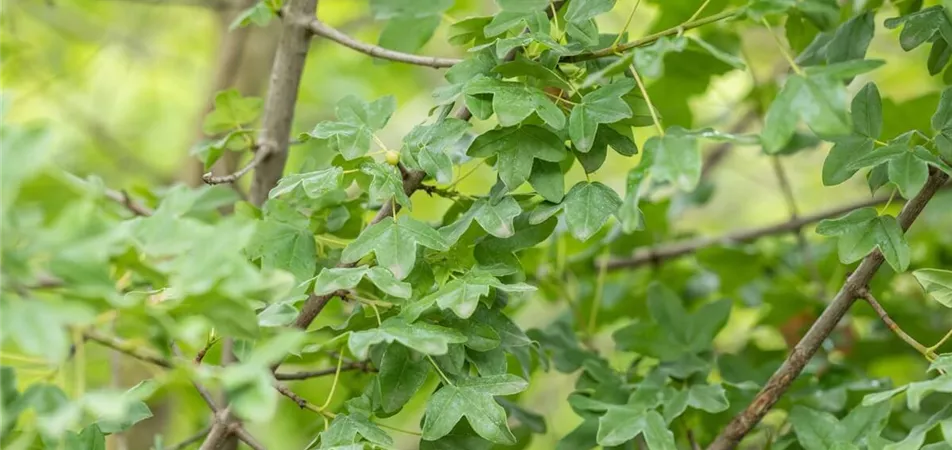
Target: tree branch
column 363, row 366
column 260, row 155
column 780, row 381
column 673, row 250
column 192, row 439
column 127, row 348
column 321, row 29
column 282, row 97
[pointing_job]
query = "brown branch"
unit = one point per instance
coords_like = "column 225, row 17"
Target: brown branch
column 321, row 29
column 202, row 390
column 297, row 399
column 673, row 250
column 260, row 155
column 282, row 96
column 192, row 439
column 363, row 366
column 123, row 199
column 780, row 381
column 127, row 348
column 894, row 327
column 244, row 436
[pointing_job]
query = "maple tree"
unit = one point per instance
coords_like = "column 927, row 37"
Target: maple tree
column 326, row 271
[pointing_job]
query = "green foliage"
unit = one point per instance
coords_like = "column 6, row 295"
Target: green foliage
column 416, row 309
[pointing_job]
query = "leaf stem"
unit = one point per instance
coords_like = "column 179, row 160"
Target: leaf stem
column 888, row 202
column 700, row 9
column 783, row 51
column 624, row 29
column 439, row 371
column 399, row 430
column 644, row 92
column 464, row 176
column 941, row 341
column 379, row 142
column 330, row 395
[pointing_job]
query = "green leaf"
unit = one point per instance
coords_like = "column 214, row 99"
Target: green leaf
column 880, row 397
column 461, row 295
column 285, row 246
column 676, row 159
column 513, row 102
column 921, row 26
column 707, row 397
column 315, row 184
column 423, row 337
column 431, row 143
column 603, row 105
column 387, row 9
column 90, row 438
column 260, row 14
column 250, row 393
column 231, row 111
column 846, row 70
column 522, row 66
column 408, row 34
column 819, row 100
column 548, row 180
column 937, row 283
column 867, row 111
column 815, row 430
column 657, row 434
column 621, row 424
column 496, row 219
column 917, row 434
column 909, row 173
column 387, row 183
column 942, row 118
column 851, row 221
column 400, row 375
column 472, row 398
column 345, row 428
column 878, row 156
column 883, row 233
column 845, row 151
column 583, row 10
column 394, row 242
column 357, row 121
column 516, row 149
column 587, row 207
column 334, row 279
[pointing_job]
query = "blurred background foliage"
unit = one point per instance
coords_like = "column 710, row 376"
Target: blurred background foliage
column 120, row 88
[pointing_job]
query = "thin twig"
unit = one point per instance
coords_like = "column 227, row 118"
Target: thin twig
column 362, row 366
column 123, row 199
column 321, row 29
column 191, row 439
column 894, row 327
column 202, row 390
column 781, row 380
column 673, row 250
column 787, row 189
column 297, row 399
column 260, row 155
column 127, row 348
